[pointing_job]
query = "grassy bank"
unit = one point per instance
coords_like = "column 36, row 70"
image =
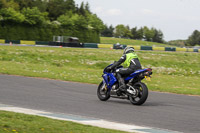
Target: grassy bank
column 175, row 72
column 131, row 42
column 20, row 123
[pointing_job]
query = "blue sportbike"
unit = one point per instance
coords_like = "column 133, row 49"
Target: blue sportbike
column 136, row 91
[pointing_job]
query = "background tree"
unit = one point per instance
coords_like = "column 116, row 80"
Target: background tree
column 108, row 31
column 177, row 42
column 12, row 4
column 87, row 7
column 2, row 3
column 145, row 33
column 70, row 5
column 194, row 39
column 140, row 34
column 122, row 31
column 79, row 22
column 158, row 36
column 119, row 31
column 9, row 4
column 81, row 10
column 34, row 16
column 40, row 4
column 128, row 33
column 134, row 33
column 94, row 22
column 55, row 8
column 9, row 15
column 25, row 3
column 65, row 19
column 148, row 33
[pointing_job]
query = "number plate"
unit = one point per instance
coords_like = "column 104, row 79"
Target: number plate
column 147, row 78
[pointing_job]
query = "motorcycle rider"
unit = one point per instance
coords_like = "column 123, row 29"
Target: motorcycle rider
column 130, row 62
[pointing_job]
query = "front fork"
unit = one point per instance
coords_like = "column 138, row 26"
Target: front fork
column 104, row 86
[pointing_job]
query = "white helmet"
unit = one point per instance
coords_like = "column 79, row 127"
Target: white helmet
column 128, row 50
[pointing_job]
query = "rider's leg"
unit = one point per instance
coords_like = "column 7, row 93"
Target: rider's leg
column 122, row 85
column 135, row 64
column 122, row 72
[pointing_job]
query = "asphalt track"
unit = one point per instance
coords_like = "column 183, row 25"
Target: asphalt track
column 162, row 110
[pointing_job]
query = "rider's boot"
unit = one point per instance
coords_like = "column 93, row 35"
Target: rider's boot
column 122, row 84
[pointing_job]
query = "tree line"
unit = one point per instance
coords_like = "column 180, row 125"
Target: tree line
column 148, row 34
column 193, row 40
column 143, row 33
column 63, row 14
column 56, row 12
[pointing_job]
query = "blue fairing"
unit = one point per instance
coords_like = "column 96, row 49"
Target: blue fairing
column 135, row 74
column 111, row 78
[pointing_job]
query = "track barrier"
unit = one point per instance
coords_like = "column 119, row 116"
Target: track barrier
column 2, row 41
column 97, row 45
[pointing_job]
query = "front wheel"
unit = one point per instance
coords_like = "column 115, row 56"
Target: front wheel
column 142, row 94
column 102, row 92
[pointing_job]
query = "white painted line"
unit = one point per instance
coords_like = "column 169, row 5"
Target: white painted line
column 22, row 110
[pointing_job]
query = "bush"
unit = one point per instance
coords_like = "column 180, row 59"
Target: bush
column 44, row 33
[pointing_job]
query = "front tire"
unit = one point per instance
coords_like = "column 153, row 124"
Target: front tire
column 142, row 94
column 102, row 92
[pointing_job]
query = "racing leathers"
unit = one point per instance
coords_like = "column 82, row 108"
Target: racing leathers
column 131, row 63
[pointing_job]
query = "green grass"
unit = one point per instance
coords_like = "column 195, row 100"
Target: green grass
column 131, row 42
column 176, row 72
column 20, row 123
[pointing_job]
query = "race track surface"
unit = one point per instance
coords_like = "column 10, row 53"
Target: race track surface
column 162, row 110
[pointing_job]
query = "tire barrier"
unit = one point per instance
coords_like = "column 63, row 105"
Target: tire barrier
column 135, row 47
column 170, row 49
column 146, row 48
column 105, row 45
column 196, row 50
column 181, row 49
column 41, row 43
column 158, row 48
column 90, row 45
column 96, row 45
column 65, row 44
column 73, row 45
column 13, row 41
column 27, row 42
column 190, row 50
column 2, row 41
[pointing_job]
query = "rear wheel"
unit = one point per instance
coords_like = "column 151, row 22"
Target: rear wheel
column 142, row 94
column 102, row 92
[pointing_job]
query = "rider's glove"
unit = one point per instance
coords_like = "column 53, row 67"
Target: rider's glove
column 109, row 69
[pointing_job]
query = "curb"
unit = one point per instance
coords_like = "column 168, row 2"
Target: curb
column 86, row 120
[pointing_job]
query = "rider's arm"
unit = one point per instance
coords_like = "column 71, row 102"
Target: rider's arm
column 120, row 61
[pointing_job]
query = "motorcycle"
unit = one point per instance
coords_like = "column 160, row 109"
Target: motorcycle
column 136, row 91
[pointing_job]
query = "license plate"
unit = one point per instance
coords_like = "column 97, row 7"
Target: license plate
column 147, row 78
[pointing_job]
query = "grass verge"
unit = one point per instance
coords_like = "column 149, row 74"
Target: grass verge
column 176, row 72
column 20, row 123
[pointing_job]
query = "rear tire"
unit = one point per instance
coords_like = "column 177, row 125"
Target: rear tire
column 103, row 93
column 142, row 94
